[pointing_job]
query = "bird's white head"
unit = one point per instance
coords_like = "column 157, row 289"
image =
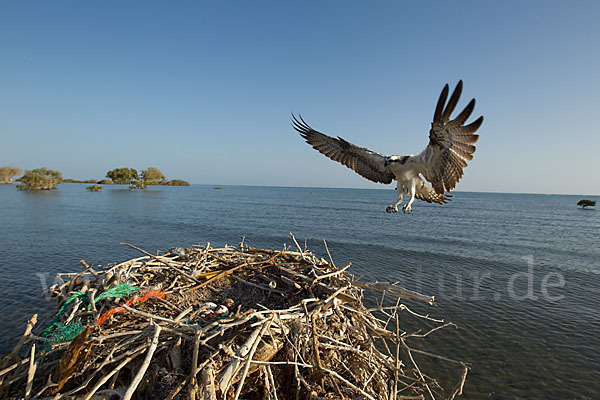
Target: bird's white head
column 394, row 159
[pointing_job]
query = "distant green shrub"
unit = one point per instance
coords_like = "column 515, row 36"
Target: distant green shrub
column 104, row 182
column 7, row 173
column 79, row 181
column 177, row 182
column 94, row 188
column 137, row 185
column 153, row 176
column 586, row 203
column 40, row 179
column 123, row 175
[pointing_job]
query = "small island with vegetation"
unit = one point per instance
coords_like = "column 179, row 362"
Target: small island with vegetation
column 47, row 179
column 40, row 179
column 79, row 181
column 130, row 176
column 7, row 174
column 94, row 188
column 586, row 203
column 177, row 182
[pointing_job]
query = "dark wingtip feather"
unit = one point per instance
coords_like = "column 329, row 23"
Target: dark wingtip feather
column 465, row 114
column 437, row 115
column 452, row 102
column 473, row 126
column 300, row 125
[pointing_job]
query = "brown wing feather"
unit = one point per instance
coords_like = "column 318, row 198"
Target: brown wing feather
column 425, row 193
column 451, row 143
column 366, row 163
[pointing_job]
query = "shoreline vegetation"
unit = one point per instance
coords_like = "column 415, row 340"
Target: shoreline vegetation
column 46, row 179
column 94, row 188
column 8, row 173
column 230, row 322
column 584, row 203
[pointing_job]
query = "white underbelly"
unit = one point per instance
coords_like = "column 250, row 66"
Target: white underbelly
column 404, row 173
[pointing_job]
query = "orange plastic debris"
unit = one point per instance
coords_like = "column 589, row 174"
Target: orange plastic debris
column 134, row 299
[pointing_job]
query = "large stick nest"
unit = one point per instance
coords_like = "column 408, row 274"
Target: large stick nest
column 232, row 322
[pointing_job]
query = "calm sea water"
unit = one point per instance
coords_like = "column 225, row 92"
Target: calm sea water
column 518, row 273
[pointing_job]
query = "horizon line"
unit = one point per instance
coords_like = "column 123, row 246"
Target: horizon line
column 382, row 188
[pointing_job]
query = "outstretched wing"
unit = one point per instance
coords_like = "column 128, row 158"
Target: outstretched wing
column 366, row 163
column 451, row 143
column 424, row 192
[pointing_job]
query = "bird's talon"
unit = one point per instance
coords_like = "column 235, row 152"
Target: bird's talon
column 390, row 209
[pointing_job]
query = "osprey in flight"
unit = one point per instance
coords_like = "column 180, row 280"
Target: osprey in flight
column 451, row 145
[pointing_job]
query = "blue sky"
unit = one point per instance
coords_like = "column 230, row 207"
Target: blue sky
column 204, row 90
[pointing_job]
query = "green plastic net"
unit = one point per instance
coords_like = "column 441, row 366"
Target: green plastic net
column 59, row 333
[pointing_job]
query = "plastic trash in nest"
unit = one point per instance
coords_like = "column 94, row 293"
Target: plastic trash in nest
column 212, row 310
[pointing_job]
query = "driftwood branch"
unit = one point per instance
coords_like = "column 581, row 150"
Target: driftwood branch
column 138, row 377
